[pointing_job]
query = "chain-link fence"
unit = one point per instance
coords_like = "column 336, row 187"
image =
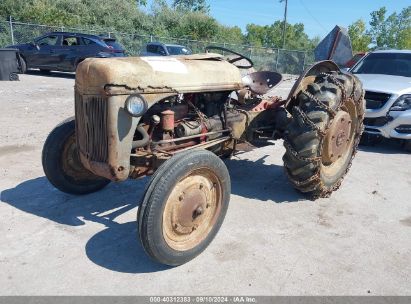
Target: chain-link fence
column 264, row 58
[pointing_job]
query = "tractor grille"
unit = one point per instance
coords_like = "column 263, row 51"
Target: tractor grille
column 376, row 100
column 91, row 127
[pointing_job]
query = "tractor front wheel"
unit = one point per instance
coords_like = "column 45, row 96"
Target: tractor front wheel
column 62, row 165
column 184, row 206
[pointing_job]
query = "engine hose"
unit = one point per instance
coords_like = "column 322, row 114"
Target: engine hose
column 141, row 142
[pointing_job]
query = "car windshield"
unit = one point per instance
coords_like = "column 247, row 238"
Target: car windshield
column 114, row 44
column 397, row 64
column 178, row 50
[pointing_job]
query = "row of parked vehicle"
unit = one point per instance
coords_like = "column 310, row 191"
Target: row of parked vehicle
column 63, row 51
column 386, row 75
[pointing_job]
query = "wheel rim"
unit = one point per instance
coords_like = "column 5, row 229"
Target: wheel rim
column 192, row 209
column 339, row 141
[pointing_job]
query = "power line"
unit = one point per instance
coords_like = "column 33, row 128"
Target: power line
column 312, row 16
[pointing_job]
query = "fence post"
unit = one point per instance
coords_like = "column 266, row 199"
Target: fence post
column 305, row 54
column 151, row 38
column 276, row 62
column 11, row 30
column 109, row 34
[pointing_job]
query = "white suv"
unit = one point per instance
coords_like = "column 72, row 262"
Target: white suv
column 386, row 77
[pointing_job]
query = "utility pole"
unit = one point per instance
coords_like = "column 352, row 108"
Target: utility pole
column 285, row 21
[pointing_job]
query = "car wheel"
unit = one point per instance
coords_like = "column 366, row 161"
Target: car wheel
column 23, row 65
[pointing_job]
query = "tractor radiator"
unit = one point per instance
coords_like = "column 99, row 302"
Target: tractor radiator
column 91, row 127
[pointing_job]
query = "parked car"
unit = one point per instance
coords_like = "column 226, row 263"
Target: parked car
column 386, row 77
column 161, row 49
column 63, row 51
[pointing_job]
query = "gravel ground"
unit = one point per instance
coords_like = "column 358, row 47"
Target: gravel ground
column 273, row 241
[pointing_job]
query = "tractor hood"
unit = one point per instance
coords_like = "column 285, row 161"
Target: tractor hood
column 153, row 75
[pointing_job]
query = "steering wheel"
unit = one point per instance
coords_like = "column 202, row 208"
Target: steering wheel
column 240, row 57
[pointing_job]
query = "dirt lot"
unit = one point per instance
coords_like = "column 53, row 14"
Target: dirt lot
column 273, row 241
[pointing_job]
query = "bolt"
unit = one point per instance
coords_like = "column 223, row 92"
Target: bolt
column 342, row 119
column 197, row 212
column 333, row 137
column 339, row 156
column 181, row 197
column 201, row 186
column 332, row 155
column 175, row 226
column 208, row 205
column 121, row 168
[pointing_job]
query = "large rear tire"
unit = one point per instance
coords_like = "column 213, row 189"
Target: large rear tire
column 62, row 165
column 322, row 137
column 184, row 206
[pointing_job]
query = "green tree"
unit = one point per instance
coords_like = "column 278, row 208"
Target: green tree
column 192, row 5
column 359, row 38
column 271, row 35
column 392, row 31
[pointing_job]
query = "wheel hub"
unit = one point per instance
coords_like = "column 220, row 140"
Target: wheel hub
column 191, row 210
column 192, row 207
column 338, row 137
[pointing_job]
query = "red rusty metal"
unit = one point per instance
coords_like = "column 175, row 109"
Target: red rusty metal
column 272, row 103
column 167, row 120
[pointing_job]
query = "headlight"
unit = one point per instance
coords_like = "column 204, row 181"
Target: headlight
column 136, row 105
column 402, row 103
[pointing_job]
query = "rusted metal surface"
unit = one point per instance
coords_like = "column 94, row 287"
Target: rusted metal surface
column 115, row 136
column 71, row 164
column 167, row 120
column 337, row 138
column 192, row 209
column 106, row 135
column 154, row 75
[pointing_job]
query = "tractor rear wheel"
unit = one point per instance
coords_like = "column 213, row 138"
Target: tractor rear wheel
column 322, row 137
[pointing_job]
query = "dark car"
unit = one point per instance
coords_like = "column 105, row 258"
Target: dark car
column 161, row 49
column 63, row 51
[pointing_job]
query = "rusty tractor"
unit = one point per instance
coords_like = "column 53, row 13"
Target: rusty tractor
column 175, row 117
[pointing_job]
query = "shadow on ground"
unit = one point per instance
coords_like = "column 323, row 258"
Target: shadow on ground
column 52, row 74
column 255, row 179
column 117, row 247
column 386, row 146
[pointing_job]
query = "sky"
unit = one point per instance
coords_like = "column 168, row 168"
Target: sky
column 318, row 16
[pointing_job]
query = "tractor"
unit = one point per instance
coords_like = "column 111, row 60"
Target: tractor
column 175, row 118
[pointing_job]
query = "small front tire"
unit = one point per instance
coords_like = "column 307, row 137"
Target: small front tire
column 184, row 206
column 62, row 165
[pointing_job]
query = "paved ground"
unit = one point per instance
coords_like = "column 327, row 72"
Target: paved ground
column 273, row 242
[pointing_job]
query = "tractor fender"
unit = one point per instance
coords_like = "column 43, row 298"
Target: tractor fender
column 307, row 77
